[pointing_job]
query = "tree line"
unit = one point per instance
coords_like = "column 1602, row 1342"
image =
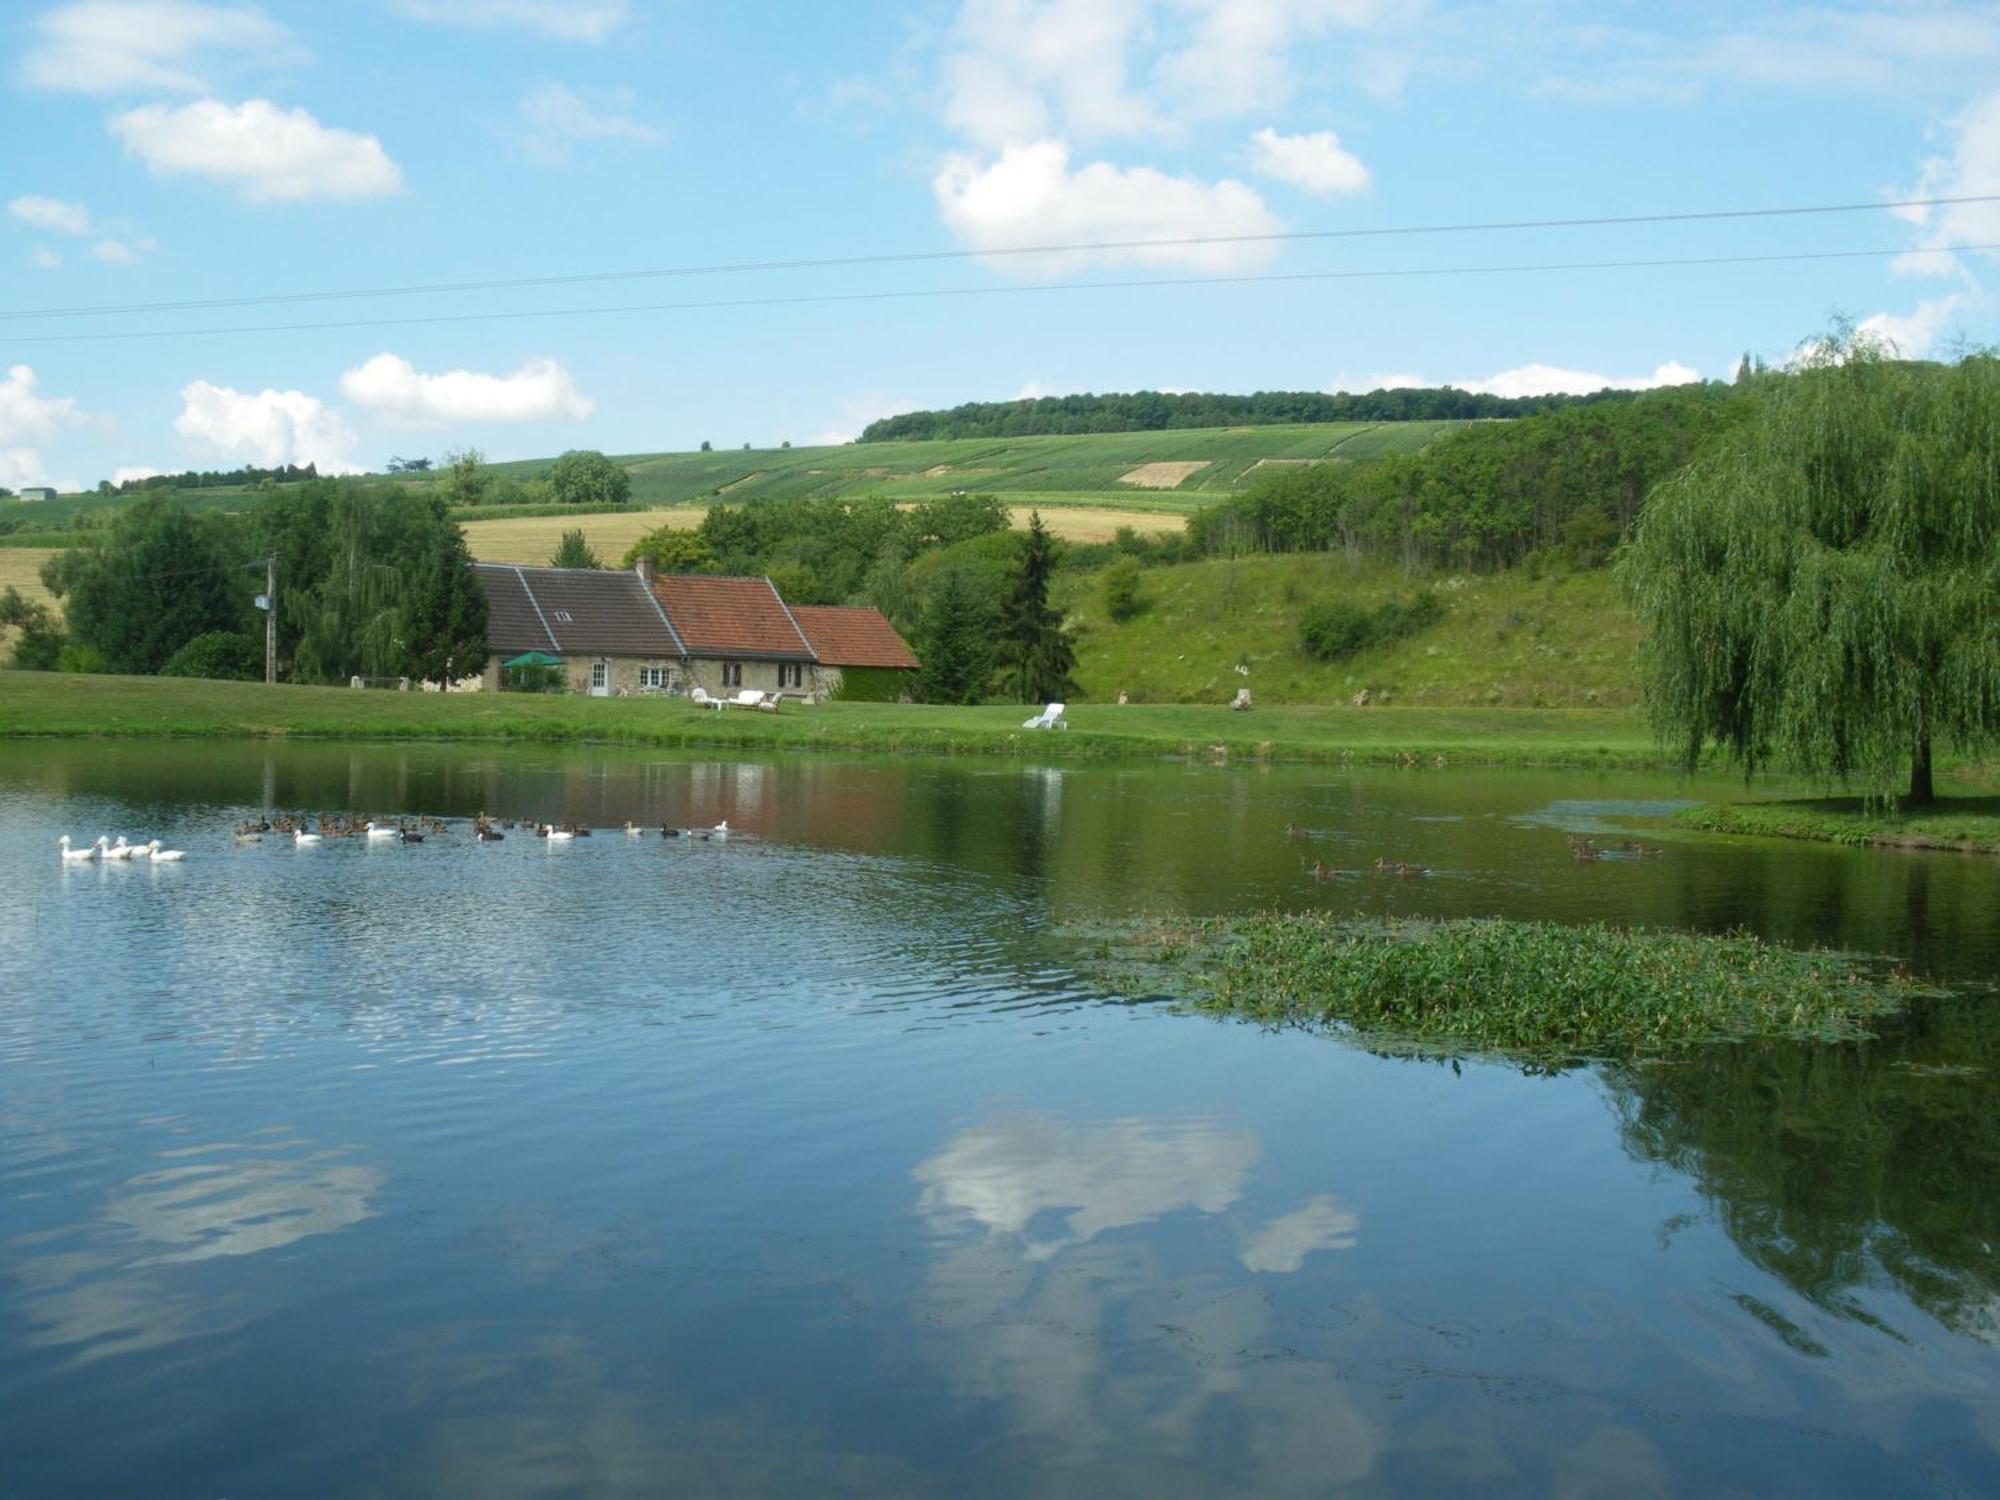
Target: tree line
column 372, row 582
column 1158, row 411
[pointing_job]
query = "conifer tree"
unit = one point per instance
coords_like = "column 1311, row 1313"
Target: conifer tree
column 1036, row 655
column 955, row 644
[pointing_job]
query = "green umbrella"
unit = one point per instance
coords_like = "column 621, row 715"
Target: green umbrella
column 533, row 659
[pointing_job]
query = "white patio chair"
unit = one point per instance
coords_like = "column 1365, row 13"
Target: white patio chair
column 1049, row 718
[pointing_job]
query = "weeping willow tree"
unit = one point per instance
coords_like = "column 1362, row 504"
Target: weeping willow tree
column 1823, row 589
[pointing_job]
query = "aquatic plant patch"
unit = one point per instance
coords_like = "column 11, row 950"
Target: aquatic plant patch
column 1531, row 988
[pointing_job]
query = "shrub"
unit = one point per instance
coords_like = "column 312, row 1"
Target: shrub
column 1335, row 631
column 228, row 655
column 75, row 656
column 583, row 476
column 1588, row 537
column 1122, row 597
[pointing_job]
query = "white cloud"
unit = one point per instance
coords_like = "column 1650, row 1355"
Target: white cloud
column 122, row 46
column 45, row 259
column 1549, row 380
column 1914, row 334
column 557, row 121
column 541, row 390
column 856, row 412
column 28, row 416
column 1018, row 70
column 51, row 214
column 1969, row 167
column 267, row 429
column 1316, row 163
column 1029, row 195
column 119, row 476
column 269, row 155
column 565, row 20
column 123, row 252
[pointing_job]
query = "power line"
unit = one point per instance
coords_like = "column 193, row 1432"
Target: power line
column 995, row 291
column 920, row 256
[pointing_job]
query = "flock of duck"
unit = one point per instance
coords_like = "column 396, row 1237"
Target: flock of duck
column 1580, row 847
column 302, row 833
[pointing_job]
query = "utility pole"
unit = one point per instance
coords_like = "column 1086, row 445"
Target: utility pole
column 271, row 618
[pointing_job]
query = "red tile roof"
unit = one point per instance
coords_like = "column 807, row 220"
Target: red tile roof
column 730, row 617
column 853, row 637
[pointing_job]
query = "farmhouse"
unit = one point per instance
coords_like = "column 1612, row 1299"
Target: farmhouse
column 621, row 633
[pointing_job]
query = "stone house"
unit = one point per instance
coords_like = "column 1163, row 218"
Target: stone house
column 620, row 634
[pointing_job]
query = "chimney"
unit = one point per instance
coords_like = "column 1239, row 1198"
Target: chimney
column 644, row 569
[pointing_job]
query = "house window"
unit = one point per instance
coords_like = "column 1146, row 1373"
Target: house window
column 732, row 674
column 652, row 677
column 791, row 674
column 562, row 615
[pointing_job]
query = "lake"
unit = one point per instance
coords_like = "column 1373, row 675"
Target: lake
column 817, row 1161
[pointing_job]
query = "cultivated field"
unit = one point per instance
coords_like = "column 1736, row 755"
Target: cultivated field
column 533, row 539
column 21, row 568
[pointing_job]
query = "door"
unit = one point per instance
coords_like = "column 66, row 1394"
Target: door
column 600, row 679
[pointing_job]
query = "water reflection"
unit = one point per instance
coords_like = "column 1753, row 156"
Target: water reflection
column 116, row 1283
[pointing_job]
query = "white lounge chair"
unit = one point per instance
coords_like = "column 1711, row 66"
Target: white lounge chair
column 700, row 699
column 1049, row 718
column 756, row 698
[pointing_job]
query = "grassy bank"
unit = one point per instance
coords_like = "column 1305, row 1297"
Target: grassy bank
column 1505, row 638
column 1525, row 988
column 46, row 704
column 1968, row 824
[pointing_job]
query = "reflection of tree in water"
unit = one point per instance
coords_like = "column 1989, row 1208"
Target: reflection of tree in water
column 1843, row 1168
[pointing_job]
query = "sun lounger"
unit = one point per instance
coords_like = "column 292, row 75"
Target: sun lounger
column 1049, row 718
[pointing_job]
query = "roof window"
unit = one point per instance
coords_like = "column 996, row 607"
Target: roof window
column 563, row 615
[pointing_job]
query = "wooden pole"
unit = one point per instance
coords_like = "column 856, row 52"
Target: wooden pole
column 271, row 618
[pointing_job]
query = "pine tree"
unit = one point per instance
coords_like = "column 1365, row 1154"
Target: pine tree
column 575, row 552
column 1037, row 657
column 955, row 644
column 444, row 624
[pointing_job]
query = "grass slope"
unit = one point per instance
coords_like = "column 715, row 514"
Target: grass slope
column 1506, row 639
column 55, row 705
column 1038, row 470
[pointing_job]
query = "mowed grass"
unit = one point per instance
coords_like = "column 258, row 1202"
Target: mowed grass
column 534, row 539
column 1051, row 471
column 58, row 705
column 1505, row 640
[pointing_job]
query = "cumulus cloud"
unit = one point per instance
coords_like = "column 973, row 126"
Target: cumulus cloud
column 28, row 418
column 565, row 20
column 1030, row 195
column 267, row 429
column 1551, row 380
column 541, row 390
column 556, row 121
column 1968, row 167
column 51, row 214
column 1316, row 163
column 267, row 154
column 123, row 46
column 120, row 476
column 1914, row 334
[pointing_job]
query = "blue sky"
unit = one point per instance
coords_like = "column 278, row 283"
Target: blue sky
column 171, row 150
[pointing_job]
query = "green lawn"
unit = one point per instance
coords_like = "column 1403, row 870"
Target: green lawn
column 1968, row 824
column 45, row 704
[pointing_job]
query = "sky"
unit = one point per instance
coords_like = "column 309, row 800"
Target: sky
column 180, row 151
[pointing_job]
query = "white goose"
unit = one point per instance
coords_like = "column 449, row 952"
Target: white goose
column 160, row 856
column 560, row 835
column 301, row 838
column 382, row 830
column 76, row 856
column 721, row 830
column 122, row 850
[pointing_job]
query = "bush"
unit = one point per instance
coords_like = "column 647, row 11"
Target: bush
column 1122, row 598
column 583, row 476
column 1588, row 537
column 227, row 655
column 75, row 656
column 1335, row 631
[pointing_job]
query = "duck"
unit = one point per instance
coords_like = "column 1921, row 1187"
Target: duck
column 720, row 830
column 301, row 838
column 1583, row 848
column 380, row 830
column 632, row 830
column 76, row 856
column 161, row 856
column 410, row 835
column 667, row 831
column 1399, row 869
column 558, row 835
column 485, row 834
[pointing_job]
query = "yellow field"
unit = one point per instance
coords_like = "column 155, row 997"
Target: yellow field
column 21, row 567
column 533, row 539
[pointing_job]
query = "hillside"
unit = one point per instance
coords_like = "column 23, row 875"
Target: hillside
column 1506, row 638
column 1085, row 470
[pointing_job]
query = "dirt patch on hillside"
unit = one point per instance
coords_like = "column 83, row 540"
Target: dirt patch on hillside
column 737, row 484
column 1282, row 463
column 1163, row 476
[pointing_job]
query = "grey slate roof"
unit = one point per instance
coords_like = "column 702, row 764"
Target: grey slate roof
column 573, row 611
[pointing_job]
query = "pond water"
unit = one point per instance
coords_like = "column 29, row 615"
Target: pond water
column 809, row 1162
